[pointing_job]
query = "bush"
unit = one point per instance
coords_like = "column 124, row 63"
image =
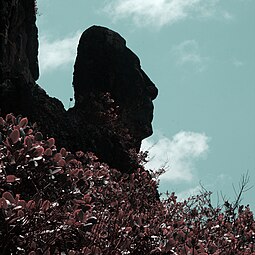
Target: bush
column 56, row 202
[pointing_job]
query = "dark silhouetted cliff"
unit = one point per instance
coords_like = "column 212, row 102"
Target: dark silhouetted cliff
column 113, row 96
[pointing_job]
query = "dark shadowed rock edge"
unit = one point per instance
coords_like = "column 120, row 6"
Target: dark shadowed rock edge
column 113, row 96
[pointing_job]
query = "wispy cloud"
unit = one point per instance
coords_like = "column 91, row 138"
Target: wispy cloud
column 227, row 16
column 55, row 54
column 187, row 52
column 160, row 12
column 237, row 63
column 177, row 155
column 189, row 192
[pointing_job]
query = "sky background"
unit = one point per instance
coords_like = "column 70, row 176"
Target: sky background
column 201, row 56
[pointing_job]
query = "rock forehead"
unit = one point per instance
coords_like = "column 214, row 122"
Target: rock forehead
column 103, row 63
column 103, row 35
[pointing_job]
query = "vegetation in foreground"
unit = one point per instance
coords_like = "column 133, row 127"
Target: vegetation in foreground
column 55, row 202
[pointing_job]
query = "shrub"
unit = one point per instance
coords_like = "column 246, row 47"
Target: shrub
column 56, row 202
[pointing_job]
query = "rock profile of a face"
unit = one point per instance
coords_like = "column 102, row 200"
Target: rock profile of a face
column 113, row 96
column 105, row 65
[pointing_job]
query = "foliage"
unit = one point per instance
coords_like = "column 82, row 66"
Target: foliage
column 56, row 202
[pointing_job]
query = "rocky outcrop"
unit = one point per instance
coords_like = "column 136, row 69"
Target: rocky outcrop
column 103, row 65
column 18, row 40
column 19, row 70
column 113, row 96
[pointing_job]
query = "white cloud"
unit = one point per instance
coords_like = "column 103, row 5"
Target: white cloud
column 227, row 16
column 159, row 12
column 237, row 63
column 189, row 193
column 57, row 53
column 187, row 52
column 177, row 155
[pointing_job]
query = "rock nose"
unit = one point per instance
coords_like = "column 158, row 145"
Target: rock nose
column 151, row 89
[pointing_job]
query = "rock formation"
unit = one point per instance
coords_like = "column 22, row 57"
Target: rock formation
column 113, row 96
column 18, row 40
column 19, row 70
column 105, row 65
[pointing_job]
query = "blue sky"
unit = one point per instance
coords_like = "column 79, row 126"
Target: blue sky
column 201, row 56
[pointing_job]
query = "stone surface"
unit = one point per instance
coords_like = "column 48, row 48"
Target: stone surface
column 19, row 70
column 113, row 96
column 18, row 40
column 104, row 64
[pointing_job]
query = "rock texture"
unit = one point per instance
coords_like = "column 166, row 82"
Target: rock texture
column 18, row 40
column 19, row 70
column 105, row 65
column 113, row 96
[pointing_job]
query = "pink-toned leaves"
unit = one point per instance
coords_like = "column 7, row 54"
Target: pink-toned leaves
column 31, row 204
column 128, row 229
column 93, row 205
column 28, row 142
column 10, row 118
column 2, row 122
column 14, row 136
column 57, row 157
column 51, row 142
column 86, row 251
column 23, row 122
column 79, row 154
column 11, row 178
column 78, row 202
column 61, row 162
column 48, row 152
column 45, row 205
column 8, row 196
column 170, row 244
column 96, row 250
column 29, row 131
column 87, row 198
column 63, row 152
column 20, row 213
column 3, row 203
column 39, row 150
column 17, row 198
column 88, row 173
